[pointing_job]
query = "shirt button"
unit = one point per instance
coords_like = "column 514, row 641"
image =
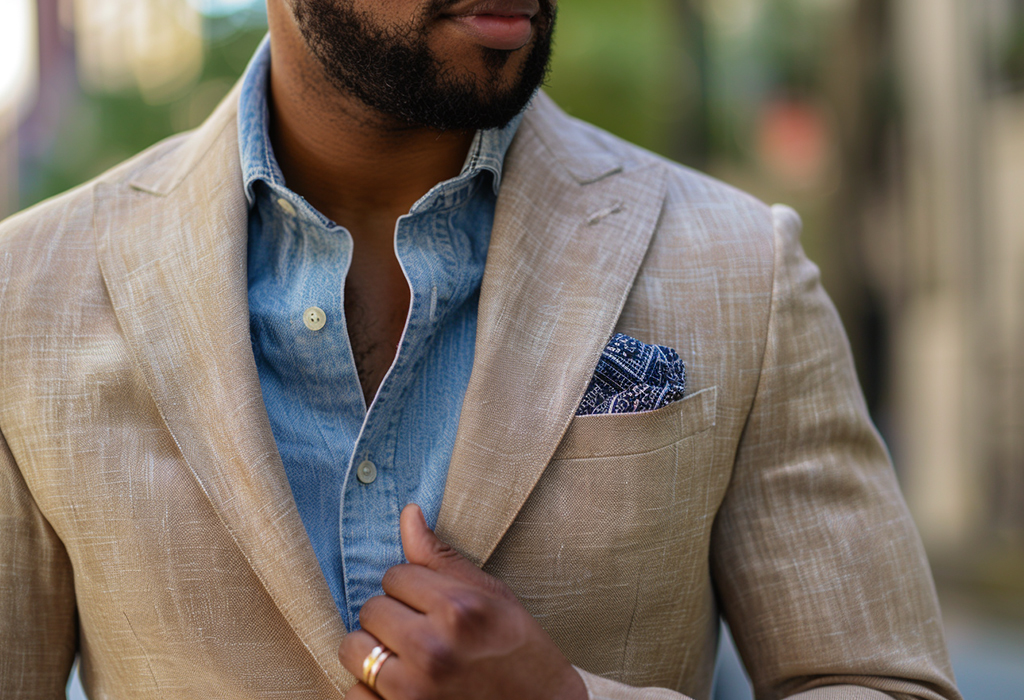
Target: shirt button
column 286, row 206
column 367, row 472
column 314, row 318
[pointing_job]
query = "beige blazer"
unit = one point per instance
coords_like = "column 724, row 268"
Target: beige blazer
column 146, row 522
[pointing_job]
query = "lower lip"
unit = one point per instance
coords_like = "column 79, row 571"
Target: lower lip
column 496, row 32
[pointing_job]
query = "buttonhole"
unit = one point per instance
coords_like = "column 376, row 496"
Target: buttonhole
column 597, row 216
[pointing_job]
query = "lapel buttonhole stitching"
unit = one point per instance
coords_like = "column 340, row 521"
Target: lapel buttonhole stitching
column 597, row 216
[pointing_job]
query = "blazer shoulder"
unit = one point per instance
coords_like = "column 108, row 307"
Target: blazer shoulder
column 156, row 170
column 590, row 153
column 689, row 191
column 705, row 225
column 48, row 253
column 71, row 211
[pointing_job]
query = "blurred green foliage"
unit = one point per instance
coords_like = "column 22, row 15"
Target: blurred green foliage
column 1008, row 56
column 686, row 78
column 626, row 68
column 97, row 131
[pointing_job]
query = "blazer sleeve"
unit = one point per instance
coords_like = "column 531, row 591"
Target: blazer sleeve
column 38, row 633
column 818, row 566
column 819, row 569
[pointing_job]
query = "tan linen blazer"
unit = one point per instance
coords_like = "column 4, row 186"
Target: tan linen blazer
column 146, row 522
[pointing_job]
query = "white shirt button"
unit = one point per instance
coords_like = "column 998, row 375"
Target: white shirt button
column 314, row 318
column 286, row 206
column 366, row 472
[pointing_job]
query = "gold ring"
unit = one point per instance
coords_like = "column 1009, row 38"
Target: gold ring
column 378, row 664
column 370, row 660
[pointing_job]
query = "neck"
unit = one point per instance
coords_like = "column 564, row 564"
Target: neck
column 357, row 167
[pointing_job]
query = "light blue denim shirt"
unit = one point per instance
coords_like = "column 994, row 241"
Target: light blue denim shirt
column 298, row 259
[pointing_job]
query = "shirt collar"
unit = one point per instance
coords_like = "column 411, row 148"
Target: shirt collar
column 487, row 152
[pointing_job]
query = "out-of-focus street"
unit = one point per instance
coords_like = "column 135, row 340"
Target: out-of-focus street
column 988, row 658
column 987, row 650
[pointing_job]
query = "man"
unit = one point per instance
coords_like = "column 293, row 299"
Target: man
column 243, row 374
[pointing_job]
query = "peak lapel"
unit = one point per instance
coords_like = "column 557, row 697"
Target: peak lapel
column 568, row 241
column 172, row 249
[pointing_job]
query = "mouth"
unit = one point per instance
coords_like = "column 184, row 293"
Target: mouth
column 504, row 25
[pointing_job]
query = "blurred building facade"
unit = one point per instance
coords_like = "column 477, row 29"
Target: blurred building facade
column 18, row 82
column 951, row 261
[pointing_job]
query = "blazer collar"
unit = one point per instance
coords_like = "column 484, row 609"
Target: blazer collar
column 172, row 249
column 573, row 223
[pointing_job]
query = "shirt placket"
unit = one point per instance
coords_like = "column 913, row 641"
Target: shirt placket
column 306, row 363
column 374, row 489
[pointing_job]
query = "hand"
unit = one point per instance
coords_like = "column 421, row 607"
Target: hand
column 456, row 632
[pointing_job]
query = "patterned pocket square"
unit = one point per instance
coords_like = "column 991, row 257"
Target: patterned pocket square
column 632, row 377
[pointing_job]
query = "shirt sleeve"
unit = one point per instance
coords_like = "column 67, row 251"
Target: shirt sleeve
column 38, row 633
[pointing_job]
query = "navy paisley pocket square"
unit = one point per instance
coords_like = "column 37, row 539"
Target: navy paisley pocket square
column 632, row 377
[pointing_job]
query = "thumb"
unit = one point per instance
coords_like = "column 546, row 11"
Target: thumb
column 423, row 548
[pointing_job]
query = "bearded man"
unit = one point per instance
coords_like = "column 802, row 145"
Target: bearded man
column 388, row 289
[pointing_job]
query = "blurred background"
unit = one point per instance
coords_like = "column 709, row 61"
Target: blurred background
column 895, row 128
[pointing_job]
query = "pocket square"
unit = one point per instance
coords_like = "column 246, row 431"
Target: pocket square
column 632, row 377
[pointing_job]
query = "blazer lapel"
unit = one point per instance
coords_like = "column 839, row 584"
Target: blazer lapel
column 172, row 248
column 571, row 229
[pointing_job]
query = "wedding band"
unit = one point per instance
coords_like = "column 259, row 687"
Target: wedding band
column 372, row 665
column 371, row 681
column 370, row 660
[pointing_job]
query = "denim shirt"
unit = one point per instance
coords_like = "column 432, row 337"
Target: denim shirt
column 353, row 469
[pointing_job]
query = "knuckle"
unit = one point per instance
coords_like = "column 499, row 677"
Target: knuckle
column 442, row 549
column 439, row 659
column 467, row 612
column 443, row 553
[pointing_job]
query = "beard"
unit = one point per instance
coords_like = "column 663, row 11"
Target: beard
column 394, row 71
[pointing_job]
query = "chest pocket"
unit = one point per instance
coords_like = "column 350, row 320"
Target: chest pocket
column 617, row 530
column 635, row 434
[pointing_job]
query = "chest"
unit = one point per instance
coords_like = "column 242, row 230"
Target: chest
column 376, row 305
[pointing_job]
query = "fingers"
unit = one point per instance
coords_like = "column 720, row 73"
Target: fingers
column 422, row 547
column 453, row 611
column 355, row 647
column 392, row 622
column 432, row 593
column 440, row 617
column 418, row 587
column 392, row 679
